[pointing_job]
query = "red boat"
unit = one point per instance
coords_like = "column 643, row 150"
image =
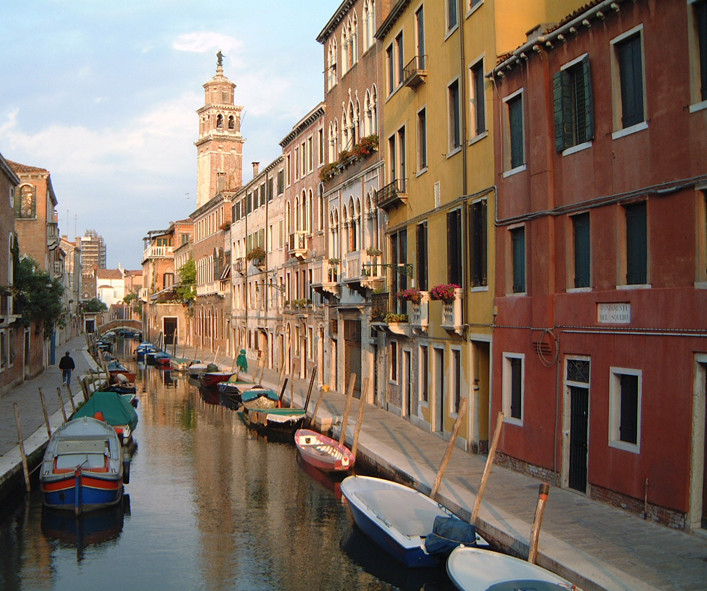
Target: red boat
column 323, row 452
column 211, row 379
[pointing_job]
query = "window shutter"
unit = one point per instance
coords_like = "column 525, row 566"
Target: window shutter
column 588, row 101
column 559, row 111
column 636, row 244
column 582, row 262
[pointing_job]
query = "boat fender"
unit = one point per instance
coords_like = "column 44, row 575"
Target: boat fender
column 126, row 471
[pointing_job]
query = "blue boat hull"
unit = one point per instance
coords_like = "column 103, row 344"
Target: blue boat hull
column 84, row 494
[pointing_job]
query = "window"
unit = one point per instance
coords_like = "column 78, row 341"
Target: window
column 636, row 244
column 454, row 250
column 582, row 252
column 452, row 18
column 420, row 37
column 457, row 377
column 477, row 99
column 26, row 205
column 424, row 373
column 331, row 68
column 369, row 26
column 422, row 140
column 280, row 182
column 478, row 243
column 398, row 255
column 572, row 92
column 390, row 70
column 698, row 52
column 513, row 379
column 453, row 110
column 400, row 59
column 396, row 156
column 518, row 259
column 515, row 134
column 393, row 361
column 320, row 144
column 629, row 99
column 395, row 63
column 625, row 409
column 421, row 266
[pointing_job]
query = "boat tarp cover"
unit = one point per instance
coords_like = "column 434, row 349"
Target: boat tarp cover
column 447, row 534
column 250, row 395
column 115, row 407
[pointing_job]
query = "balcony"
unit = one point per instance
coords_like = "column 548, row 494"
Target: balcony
column 325, row 276
column 239, row 265
column 211, row 288
column 415, row 71
column 419, row 313
column 297, row 246
column 158, row 252
column 392, row 194
column 452, row 312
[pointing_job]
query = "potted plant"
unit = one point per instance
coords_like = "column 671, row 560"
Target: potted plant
column 366, row 146
column 392, row 318
column 412, row 294
column 444, row 292
column 256, row 253
column 372, row 251
column 225, row 226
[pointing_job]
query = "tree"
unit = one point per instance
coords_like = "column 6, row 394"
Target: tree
column 133, row 301
column 37, row 295
column 94, row 305
column 185, row 291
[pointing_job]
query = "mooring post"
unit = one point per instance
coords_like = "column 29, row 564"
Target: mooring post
column 316, row 406
column 349, row 397
column 46, row 415
column 450, row 448
column 71, row 398
column 309, row 390
column 367, row 384
column 487, row 468
column 61, row 403
column 21, row 443
column 543, row 492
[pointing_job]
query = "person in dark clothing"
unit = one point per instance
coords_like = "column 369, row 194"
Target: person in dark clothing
column 66, row 365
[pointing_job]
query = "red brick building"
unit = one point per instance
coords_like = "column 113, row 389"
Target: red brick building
column 600, row 344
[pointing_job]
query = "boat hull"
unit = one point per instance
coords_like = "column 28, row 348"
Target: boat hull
column 474, row 569
column 274, row 422
column 395, row 517
column 322, row 452
column 82, row 468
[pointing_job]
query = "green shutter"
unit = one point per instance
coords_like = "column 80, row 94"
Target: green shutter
column 588, row 101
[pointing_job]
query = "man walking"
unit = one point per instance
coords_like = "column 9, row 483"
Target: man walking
column 66, row 365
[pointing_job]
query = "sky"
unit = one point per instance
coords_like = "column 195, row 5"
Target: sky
column 104, row 96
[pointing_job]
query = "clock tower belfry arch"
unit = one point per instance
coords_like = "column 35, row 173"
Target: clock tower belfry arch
column 220, row 143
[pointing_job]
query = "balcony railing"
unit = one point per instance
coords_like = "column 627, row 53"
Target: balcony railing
column 415, row 71
column 239, row 265
column 298, row 244
column 213, row 287
column 157, row 252
column 392, row 194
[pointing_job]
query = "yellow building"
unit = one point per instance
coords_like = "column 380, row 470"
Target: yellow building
column 439, row 194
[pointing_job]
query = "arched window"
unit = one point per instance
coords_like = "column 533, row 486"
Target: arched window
column 331, row 65
column 26, row 205
column 374, row 111
column 333, row 141
column 345, row 54
column 369, row 23
column 231, row 122
column 219, row 121
column 353, row 40
column 320, row 199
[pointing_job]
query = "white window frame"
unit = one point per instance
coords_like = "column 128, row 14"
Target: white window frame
column 615, row 409
column 507, row 385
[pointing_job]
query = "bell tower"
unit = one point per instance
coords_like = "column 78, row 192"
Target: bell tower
column 220, row 143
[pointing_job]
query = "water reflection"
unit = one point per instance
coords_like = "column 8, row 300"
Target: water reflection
column 213, row 506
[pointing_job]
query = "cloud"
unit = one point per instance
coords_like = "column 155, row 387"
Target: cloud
column 204, row 41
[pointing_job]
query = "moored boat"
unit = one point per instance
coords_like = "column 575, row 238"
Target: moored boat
column 82, row 468
column 116, row 409
column 399, row 518
column 259, row 397
column 274, row 422
column 323, row 452
column 475, row 569
column 212, row 377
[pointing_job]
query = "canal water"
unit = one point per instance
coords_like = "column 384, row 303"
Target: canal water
column 210, row 505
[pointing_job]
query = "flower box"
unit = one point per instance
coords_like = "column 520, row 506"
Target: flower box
column 445, row 292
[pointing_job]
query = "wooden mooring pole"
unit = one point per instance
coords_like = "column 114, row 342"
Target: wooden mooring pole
column 543, row 492
column 367, row 384
column 450, row 448
column 21, row 443
column 61, row 404
column 316, row 406
column 71, row 398
column 487, row 468
column 46, row 415
column 349, row 397
column 309, row 389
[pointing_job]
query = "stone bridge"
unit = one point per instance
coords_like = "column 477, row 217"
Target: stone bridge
column 113, row 324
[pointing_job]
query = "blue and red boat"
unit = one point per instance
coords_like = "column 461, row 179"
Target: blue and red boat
column 83, row 468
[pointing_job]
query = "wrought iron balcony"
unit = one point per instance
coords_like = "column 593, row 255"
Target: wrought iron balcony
column 415, row 71
column 392, row 194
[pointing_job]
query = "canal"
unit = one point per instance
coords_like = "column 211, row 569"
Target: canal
column 210, row 505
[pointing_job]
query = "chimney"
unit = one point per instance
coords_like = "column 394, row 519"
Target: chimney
column 256, row 167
